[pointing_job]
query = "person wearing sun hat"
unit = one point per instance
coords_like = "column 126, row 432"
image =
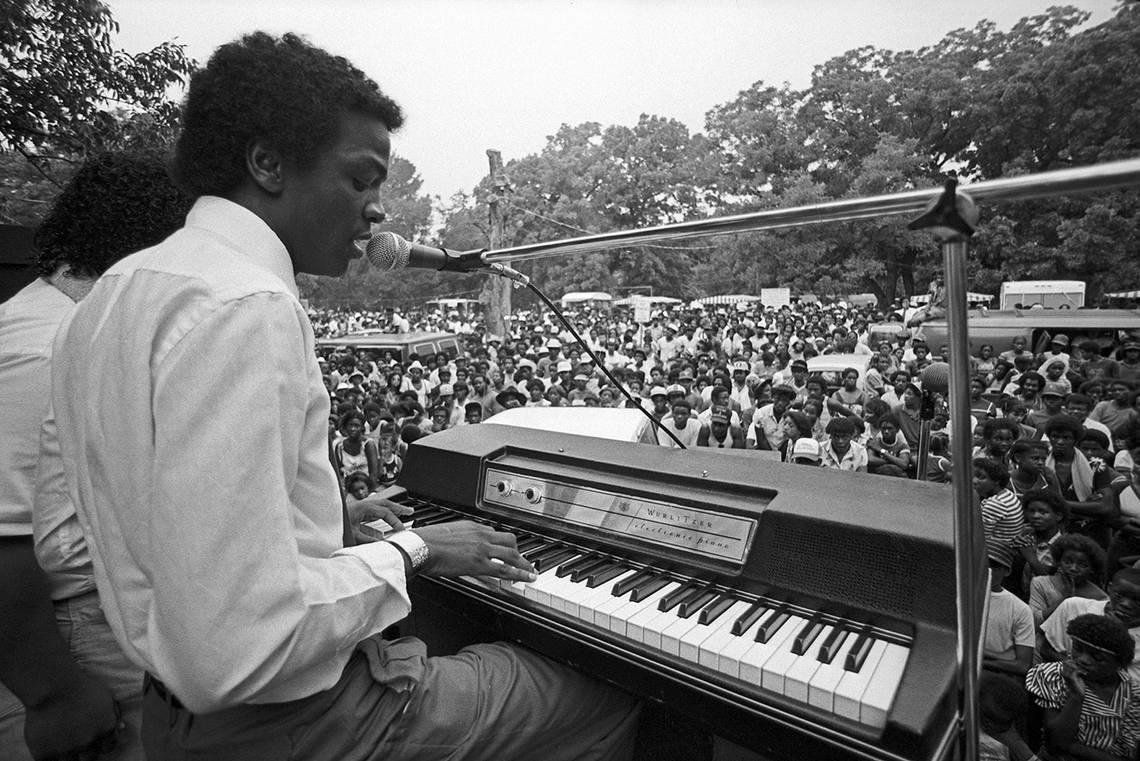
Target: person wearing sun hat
column 659, row 402
column 806, row 451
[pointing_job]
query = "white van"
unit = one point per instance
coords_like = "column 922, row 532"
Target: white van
column 1051, row 294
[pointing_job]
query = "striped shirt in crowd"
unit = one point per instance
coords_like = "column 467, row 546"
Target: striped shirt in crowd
column 1112, row 727
column 1003, row 524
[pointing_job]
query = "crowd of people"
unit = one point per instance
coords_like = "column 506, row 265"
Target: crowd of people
column 1055, row 435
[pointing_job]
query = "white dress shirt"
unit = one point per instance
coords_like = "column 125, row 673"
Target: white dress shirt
column 194, row 428
column 28, row 322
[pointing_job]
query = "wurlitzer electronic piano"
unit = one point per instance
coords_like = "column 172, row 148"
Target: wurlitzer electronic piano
column 802, row 613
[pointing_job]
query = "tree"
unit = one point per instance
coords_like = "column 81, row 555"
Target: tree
column 65, row 92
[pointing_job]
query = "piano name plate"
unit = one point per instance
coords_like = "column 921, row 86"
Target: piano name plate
column 710, row 534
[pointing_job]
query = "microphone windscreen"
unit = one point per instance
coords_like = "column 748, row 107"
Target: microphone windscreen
column 936, row 377
column 388, row 251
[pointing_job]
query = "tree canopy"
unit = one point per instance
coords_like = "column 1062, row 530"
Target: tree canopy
column 66, row 92
column 980, row 103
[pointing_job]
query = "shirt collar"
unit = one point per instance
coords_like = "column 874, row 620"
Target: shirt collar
column 248, row 233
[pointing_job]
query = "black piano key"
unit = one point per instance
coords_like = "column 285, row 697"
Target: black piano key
column 692, row 604
column 543, row 546
column 770, row 625
column 808, row 635
column 678, row 595
column 443, row 516
column 583, row 573
column 858, row 652
column 601, row 575
column 716, row 608
column 547, row 561
column 527, row 543
column 647, row 588
column 833, row 643
column 571, row 566
column 746, row 619
column 427, row 513
column 631, row 582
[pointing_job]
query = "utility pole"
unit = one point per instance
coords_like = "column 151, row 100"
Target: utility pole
column 496, row 293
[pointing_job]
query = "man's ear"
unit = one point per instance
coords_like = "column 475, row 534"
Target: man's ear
column 264, row 164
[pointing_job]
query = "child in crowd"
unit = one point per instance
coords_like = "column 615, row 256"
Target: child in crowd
column 1045, row 514
column 887, row 452
column 1080, row 568
column 938, row 465
column 1092, row 709
column 390, row 461
column 1009, row 635
column 1003, row 521
column 1001, row 705
column 357, row 487
column 1027, row 469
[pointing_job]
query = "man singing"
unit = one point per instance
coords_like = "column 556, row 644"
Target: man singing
column 193, row 419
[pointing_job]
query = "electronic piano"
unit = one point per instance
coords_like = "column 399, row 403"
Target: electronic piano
column 802, row 613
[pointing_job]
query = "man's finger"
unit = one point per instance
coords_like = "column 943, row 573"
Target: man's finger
column 380, row 502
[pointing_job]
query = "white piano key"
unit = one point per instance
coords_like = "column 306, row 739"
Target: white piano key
column 604, row 609
column 636, row 627
column 671, row 634
column 799, row 676
column 593, row 597
column 620, row 618
column 849, row 691
column 821, row 688
column 753, row 659
column 564, row 593
column 719, row 634
column 880, row 693
column 728, row 660
column 782, row 659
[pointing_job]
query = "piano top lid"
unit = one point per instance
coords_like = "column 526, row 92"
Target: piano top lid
column 895, row 506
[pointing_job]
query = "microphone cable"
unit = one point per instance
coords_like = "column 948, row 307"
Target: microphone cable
column 586, row 347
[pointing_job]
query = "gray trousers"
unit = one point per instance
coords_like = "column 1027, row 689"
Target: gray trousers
column 493, row 701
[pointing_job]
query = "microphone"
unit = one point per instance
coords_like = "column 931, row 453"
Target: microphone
column 936, row 378
column 389, row 251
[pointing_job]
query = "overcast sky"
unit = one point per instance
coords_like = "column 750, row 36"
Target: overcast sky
column 505, row 74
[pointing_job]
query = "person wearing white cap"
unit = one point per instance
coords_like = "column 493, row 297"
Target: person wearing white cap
column 659, row 402
column 551, row 359
column 740, row 393
column 415, row 381
column 1058, row 350
column 668, row 346
column 805, row 451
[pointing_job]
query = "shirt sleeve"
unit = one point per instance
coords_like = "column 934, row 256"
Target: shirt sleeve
column 1045, row 683
column 249, row 593
column 1024, row 632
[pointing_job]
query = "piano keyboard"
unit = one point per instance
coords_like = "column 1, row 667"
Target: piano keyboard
column 837, row 665
column 802, row 614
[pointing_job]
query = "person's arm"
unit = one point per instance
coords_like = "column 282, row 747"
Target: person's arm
column 265, row 607
column 1062, row 725
column 1023, row 659
column 1102, row 504
column 839, row 409
column 373, row 456
column 703, row 436
column 66, row 712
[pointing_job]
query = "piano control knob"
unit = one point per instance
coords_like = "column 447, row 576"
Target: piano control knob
column 504, row 487
column 533, row 495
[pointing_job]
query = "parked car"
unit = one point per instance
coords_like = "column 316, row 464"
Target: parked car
column 1037, row 326
column 398, row 346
